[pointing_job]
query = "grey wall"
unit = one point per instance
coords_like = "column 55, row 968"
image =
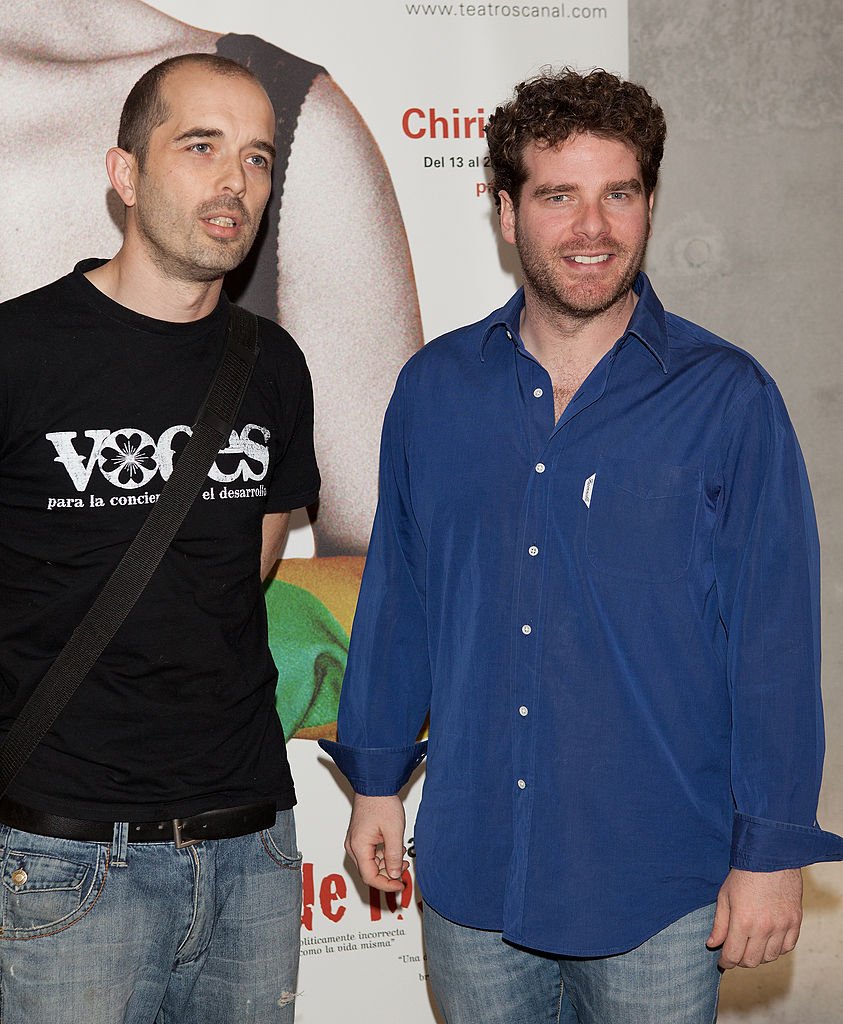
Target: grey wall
column 748, row 241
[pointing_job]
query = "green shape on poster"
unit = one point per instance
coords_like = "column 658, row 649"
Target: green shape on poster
column 310, row 649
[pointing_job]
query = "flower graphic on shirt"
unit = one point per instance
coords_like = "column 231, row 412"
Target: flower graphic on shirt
column 128, row 459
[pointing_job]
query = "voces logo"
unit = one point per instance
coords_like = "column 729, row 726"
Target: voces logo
column 129, row 457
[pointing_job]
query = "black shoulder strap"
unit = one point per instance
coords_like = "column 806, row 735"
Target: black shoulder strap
column 127, row 582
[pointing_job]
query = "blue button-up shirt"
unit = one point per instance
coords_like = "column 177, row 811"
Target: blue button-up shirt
column 612, row 620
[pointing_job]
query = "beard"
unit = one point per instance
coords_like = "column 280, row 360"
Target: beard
column 585, row 299
column 178, row 247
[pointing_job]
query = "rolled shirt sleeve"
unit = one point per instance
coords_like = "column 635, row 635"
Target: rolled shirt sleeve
column 766, row 555
column 386, row 690
column 376, row 771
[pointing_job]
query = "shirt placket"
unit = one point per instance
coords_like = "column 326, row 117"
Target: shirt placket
column 546, row 449
column 537, row 409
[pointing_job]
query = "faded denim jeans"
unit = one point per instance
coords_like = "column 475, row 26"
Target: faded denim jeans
column 144, row 933
column 477, row 978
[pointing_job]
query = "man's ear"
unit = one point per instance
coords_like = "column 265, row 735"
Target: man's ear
column 507, row 216
column 650, row 214
column 121, row 167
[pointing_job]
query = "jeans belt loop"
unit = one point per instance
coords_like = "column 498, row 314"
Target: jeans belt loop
column 120, row 845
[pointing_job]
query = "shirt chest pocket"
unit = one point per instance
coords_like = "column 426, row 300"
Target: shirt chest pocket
column 641, row 519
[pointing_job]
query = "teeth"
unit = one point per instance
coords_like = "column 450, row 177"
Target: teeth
column 590, row 259
column 225, row 222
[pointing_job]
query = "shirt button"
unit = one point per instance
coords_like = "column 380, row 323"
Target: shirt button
column 509, row 335
column 537, row 393
column 526, row 629
column 522, row 784
column 533, row 550
column 540, row 467
column 523, row 711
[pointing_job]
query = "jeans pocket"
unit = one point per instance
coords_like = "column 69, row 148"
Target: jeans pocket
column 642, row 519
column 280, row 841
column 48, row 884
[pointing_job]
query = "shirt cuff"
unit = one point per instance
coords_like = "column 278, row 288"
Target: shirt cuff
column 760, row 844
column 376, row 771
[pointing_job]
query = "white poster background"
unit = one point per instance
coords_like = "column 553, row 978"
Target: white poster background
column 361, row 955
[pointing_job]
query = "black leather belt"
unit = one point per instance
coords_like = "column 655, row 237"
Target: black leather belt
column 223, row 824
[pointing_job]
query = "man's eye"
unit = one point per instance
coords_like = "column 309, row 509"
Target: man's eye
column 258, row 160
column 617, row 195
column 559, row 199
column 201, row 147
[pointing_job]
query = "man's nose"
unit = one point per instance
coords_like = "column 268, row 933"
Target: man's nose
column 232, row 176
column 590, row 220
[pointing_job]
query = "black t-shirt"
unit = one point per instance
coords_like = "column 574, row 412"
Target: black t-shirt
column 178, row 715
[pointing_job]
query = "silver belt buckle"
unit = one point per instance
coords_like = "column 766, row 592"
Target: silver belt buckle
column 178, row 825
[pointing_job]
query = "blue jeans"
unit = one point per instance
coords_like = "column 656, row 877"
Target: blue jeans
column 479, row 979
column 144, row 933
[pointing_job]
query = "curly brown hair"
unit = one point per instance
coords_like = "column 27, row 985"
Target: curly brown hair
column 554, row 105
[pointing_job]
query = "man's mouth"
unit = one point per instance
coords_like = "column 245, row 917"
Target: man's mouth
column 224, row 222
column 589, row 259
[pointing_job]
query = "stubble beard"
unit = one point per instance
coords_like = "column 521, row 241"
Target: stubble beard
column 175, row 243
column 538, row 266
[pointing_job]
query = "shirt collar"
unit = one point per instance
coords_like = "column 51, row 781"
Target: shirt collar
column 506, row 319
column 647, row 323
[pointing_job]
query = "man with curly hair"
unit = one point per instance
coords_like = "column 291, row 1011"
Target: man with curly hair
column 595, row 567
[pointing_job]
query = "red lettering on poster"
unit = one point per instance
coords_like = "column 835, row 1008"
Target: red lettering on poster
column 413, row 112
column 332, row 890
column 417, row 123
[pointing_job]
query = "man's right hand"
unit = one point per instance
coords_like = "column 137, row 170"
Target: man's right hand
column 375, row 841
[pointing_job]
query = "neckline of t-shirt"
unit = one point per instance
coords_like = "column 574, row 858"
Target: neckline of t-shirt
column 138, row 321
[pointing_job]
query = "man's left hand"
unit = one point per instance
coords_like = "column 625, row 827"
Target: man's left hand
column 758, row 917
